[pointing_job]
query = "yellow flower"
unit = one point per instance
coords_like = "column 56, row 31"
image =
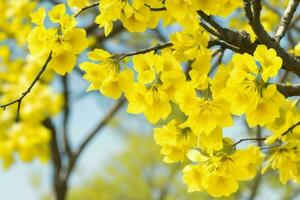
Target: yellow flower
column 175, row 139
column 267, row 107
column 208, row 114
column 289, row 115
column 110, row 10
column 189, row 45
column 219, row 174
column 159, row 77
column 31, row 141
column 212, row 142
column 296, row 50
column 105, row 74
column 179, row 9
column 78, row 3
column 64, row 42
column 145, row 66
column 152, row 100
column 248, row 88
column 38, row 17
column 57, row 12
column 269, row 61
column 65, row 48
column 135, row 15
column 135, row 18
column 114, row 86
column 286, row 159
column 6, row 153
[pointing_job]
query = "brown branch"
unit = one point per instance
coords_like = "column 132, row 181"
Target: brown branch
column 220, row 52
column 24, row 94
column 286, row 19
column 255, row 186
column 288, row 90
column 243, row 42
column 223, row 45
column 92, row 135
column 66, row 114
column 214, row 24
column 59, row 187
column 147, row 50
column 249, row 139
column 37, row 78
column 86, row 8
column 255, row 22
column 211, row 43
column 259, row 135
column 210, row 30
column 156, row 9
column 290, row 130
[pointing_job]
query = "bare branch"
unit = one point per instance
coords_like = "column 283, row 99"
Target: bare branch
column 92, row 135
column 24, row 94
column 243, row 42
column 286, row 19
column 210, row 30
column 288, row 90
column 223, row 45
column 253, row 16
column 290, row 130
column 143, row 51
column 255, row 186
column 249, row 139
column 86, row 8
column 66, row 114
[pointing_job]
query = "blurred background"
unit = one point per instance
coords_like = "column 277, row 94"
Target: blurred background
column 123, row 161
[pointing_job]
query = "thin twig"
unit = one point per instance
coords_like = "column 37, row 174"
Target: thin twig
column 86, row 8
column 249, row 139
column 290, row 130
column 147, row 50
column 24, row 94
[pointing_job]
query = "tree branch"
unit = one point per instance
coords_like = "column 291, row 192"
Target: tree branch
column 250, row 139
column 66, row 114
column 286, row 19
column 59, row 188
column 290, row 130
column 243, row 42
column 147, row 50
column 24, row 94
column 255, row 186
column 288, row 90
column 92, row 135
column 86, row 8
column 37, row 78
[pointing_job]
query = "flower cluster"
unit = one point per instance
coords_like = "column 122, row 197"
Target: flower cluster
column 157, row 82
column 64, row 41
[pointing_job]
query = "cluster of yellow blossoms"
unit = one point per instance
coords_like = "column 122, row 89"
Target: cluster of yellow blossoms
column 154, row 82
column 137, row 15
column 241, row 87
column 64, row 41
column 15, row 20
column 27, row 138
column 220, row 172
